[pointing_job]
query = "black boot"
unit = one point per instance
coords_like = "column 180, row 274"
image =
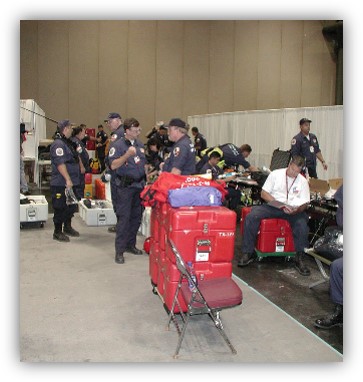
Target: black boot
column 69, row 230
column 246, row 259
column 119, row 258
column 299, row 265
column 58, row 234
column 334, row 319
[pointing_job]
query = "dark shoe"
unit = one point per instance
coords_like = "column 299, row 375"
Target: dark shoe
column 60, row 236
column 119, row 259
column 112, row 229
column 300, row 266
column 246, row 259
column 334, row 319
column 135, row 251
column 70, row 231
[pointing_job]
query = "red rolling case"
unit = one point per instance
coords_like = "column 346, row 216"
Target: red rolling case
column 100, row 189
column 91, row 145
column 275, row 238
column 245, row 211
column 154, row 262
column 202, row 234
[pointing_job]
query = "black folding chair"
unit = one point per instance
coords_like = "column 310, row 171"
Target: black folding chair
column 204, row 297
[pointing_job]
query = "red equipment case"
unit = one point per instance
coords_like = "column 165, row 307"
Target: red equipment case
column 203, row 235
column 274, row 237
column 245, row 211
column 91, row 145
column 100, row 189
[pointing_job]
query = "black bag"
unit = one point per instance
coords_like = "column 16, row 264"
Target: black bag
column 260, row 177
column 330, row 245
column 280, row 159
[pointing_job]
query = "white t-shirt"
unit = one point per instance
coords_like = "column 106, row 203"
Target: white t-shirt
column 292, row 191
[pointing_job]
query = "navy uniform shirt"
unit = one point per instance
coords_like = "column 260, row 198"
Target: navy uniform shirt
column 182, row 157
column 200, row 143
column 102, row 134
column 307, row 148
column 232, row 156
column 134, row 167
column 215, row 170
column 62, row 151
column 117, row 134
column 114, row 137
column 83, row 153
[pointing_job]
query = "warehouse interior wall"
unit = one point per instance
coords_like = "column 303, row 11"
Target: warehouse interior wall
column 155, row 70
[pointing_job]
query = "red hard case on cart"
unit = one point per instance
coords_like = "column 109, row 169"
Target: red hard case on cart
column 275, row 236
column 202, row 234
column 245, row 211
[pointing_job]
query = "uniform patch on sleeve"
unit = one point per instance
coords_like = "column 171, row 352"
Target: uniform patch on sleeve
column 176, row 151
column 293, row 141
column 59, row 152
column 111, row 152
column 113, row 137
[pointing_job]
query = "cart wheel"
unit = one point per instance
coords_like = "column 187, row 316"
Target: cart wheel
column 259, row 258
column 154, row 290
column 21, row 226
column 41, row 225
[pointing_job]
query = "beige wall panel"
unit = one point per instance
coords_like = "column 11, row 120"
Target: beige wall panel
column 246, row 59
column 53, row 48
column 169, row 70
column 269, row 65
column 29, row 59
column 113, row 45
column 291, row 63
column 141, row 72
column 312, row 67
column 221, row 66
column 83, row 72
column 196, row 67
column 161, row 69
column 328, row 80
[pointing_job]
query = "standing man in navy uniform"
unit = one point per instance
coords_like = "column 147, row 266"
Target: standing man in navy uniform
column 114, row 121
column 66, row 171
column 127, row 161
column 101, row 139
column 306, row 145
column 78, row 133
column 200, row 143
column 182, row 156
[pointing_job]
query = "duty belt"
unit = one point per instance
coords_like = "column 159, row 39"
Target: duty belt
column 125, row 180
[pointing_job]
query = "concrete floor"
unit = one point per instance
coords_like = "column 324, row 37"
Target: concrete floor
column 77, row 305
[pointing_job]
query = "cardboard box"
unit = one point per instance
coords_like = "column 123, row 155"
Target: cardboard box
column 335, row 183
column 319, row 186
column 323, row 186
column 97, row 216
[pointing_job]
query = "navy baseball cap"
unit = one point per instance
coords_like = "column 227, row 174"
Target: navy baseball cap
column 112, row 116
column 303, row 120
column 177, row 122
column 63, row 123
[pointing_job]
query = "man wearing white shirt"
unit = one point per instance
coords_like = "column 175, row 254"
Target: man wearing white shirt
column 287, row 196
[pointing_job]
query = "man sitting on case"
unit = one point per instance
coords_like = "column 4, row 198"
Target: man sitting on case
column 287, row 196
